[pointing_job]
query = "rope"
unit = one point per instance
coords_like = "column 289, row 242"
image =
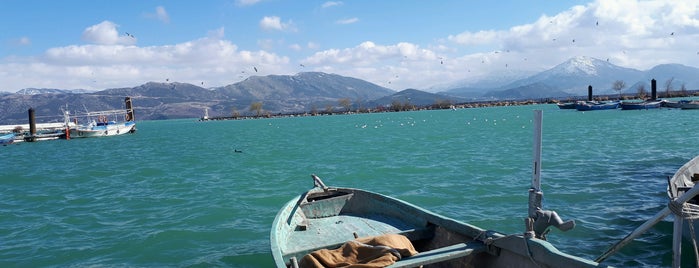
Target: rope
column 685, row 210
column 689, row 212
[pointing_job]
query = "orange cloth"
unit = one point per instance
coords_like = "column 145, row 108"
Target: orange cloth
column 373, row 251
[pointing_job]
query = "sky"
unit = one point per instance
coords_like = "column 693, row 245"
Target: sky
column 397, row 44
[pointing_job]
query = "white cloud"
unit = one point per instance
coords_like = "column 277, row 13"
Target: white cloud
column 331, row 4
column 162, row 15
column 347, row 21
column 105, row 33
column 630, row 33
column 247, row 2
column 274, row 23
column 211, row 60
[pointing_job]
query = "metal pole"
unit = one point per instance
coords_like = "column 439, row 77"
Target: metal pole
column 535, row 193
column 677, row 241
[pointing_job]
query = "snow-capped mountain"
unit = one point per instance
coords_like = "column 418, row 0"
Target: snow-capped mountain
column 573, row 76
column 576, row 74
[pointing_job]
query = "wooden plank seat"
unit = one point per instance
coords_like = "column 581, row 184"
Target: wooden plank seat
column 440, row 254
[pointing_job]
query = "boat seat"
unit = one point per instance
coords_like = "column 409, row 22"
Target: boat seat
column 440, row 254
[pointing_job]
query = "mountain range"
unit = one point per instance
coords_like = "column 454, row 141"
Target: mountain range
column 320, row 91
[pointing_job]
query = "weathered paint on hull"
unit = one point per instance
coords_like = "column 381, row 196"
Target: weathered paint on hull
column 328, row 218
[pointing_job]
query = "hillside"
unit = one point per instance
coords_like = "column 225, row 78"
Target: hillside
column 153, row 101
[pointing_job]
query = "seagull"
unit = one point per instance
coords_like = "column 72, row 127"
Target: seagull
column 255, row 68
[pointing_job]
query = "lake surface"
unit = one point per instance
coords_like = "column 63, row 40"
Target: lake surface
column 176, row 193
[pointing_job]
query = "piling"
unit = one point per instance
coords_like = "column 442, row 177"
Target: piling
column 589, row 93
column 32, row 126
column 653, row 90
column 129, row 110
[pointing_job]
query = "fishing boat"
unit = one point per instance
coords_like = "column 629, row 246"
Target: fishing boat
column 104, row 123
column 596, row 105
column 328, row 226
column 102, row 128
column 7, row 139
column 644, row 105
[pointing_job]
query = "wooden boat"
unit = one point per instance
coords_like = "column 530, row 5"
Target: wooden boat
column 641, row 105
column 334, row 225
column 7, row 139
column 596, row 105
column 327, row 217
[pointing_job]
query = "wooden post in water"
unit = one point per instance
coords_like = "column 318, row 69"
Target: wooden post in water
column 653, row 90
column 129, row 110
column 32, row 126
column 589, row 93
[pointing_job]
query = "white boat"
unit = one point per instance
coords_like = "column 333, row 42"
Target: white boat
column 104, row 123
column 103, row 129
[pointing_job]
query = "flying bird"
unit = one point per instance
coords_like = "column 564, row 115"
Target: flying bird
column 255, row 68
column 302, row 65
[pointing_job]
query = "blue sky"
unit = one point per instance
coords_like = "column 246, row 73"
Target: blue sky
column 397, row 44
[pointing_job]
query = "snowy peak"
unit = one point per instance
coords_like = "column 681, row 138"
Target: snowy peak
column 581, row 65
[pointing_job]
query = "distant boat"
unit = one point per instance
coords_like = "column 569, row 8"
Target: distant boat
column 690, row 105
column 103, row 129
column 644, row 105
column 566, row 105
column 596, row 105
column 7, row 139
column 674, row 104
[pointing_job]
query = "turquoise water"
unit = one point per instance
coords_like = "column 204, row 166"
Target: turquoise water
column 176, row 193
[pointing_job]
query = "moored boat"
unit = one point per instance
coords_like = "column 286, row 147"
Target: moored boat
column 644, row 105
column 7, row 139
column 674, row 104
column 102, row 129
column 692, row 105
column 326, row 218
column 105, row 123
column 596, row 105
column 566, row 105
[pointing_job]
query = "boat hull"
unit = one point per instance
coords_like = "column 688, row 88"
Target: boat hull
column 690, row 106
column 682, row 181
column 7, row 139
column 641, row 105
column 594, row 106
column 112, row 129
column 327, row 218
